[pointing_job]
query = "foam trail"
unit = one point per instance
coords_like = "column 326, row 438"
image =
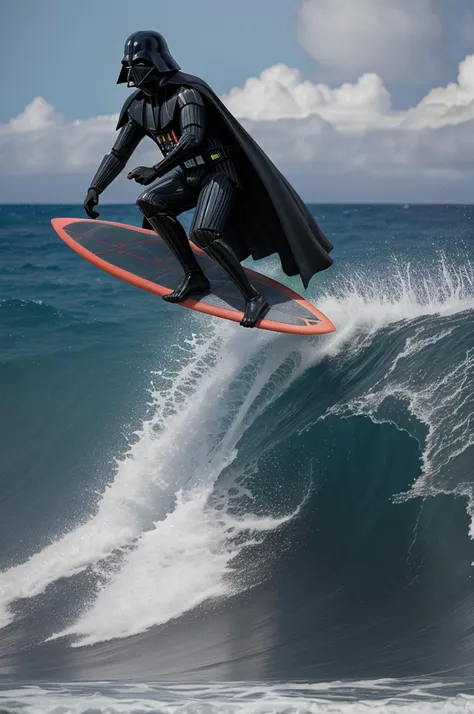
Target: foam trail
column 363, row 304
column 189, row 550
column 205, row 395
column 182, row 562
column 163, row 449
column 387, row 696
column 189, row 553
column 442, row 401
column 184, row 440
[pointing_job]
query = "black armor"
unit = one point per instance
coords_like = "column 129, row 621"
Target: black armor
column 211, row 164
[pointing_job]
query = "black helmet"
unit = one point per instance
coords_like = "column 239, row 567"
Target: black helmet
column 148, row 49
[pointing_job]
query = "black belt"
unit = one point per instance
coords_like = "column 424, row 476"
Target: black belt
column 211, row 157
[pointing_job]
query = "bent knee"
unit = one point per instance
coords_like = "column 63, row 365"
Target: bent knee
column 204, row 236
column 150, row 204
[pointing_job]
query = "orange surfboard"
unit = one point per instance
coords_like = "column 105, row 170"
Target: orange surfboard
column 140, row 258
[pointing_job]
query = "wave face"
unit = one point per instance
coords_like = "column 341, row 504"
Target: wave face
column 181, row 502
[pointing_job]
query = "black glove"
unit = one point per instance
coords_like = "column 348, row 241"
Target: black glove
column 143, row 175
column 92, row 199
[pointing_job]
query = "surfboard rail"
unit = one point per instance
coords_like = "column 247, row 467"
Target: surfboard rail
column 310, row 320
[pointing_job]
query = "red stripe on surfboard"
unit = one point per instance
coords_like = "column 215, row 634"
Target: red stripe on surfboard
column 324, row 325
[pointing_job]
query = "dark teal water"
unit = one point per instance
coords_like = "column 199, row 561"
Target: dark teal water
column 185, row 501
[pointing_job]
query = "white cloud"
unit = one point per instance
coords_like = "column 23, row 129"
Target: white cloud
column 344, row 143
column 402, row 40
column 280, row 93
column 37, row 115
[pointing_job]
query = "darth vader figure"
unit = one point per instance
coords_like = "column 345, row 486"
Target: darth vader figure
column 243, row 205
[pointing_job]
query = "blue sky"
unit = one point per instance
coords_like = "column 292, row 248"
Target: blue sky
column 70, row 52
column 352, row 99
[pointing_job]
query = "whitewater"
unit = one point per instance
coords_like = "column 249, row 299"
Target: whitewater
column 227, row 466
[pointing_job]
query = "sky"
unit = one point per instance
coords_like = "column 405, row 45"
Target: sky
column 354, row 101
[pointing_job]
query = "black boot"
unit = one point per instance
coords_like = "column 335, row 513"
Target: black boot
column 256, row 306
column 174, row 235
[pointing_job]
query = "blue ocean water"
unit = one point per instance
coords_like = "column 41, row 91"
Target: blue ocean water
column 200, row 518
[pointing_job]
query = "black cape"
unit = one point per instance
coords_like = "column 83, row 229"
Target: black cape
column 269, row 216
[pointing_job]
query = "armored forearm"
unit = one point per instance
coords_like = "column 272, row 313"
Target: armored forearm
column 108, row 170
column 192, row 122
column 113, row 163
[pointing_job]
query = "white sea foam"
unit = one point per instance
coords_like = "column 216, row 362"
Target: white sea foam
column 431, row 373
column 156, row 503
column 386, row 696
column 197, row 415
